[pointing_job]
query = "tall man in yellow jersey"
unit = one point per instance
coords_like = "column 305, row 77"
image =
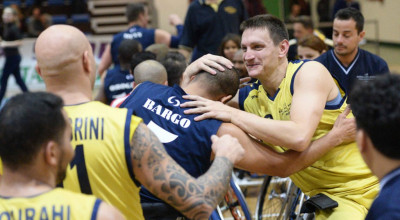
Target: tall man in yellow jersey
column 114, row 149
column 35, row 148
column 292, row 104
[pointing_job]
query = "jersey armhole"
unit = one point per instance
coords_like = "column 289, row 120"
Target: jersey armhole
column 127, row 137
column 95, row 209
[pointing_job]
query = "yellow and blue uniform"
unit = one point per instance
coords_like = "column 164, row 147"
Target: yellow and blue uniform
column 341, row 173
column 55, row 204
column 102, row 164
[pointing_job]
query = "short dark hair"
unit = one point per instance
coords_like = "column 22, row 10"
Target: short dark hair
column 133, row 11
column 140, row 57
column 175, row 64
column 27, row 122
column 376, row 107
column 351, row 13
column 276, row 28
column 305, row 21
column 127, row 49
column 222, row 83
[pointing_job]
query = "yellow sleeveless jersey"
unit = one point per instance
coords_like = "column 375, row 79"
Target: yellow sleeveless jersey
column 102, row 164
column 342, row 171
column 55, row 204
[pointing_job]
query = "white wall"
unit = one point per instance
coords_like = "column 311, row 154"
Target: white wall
column 387, row 13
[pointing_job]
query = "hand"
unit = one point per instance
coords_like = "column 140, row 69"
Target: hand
column 345, row 127
column 244, row 82
column 208, row 108
column 174, row 19
column 206, row 63
column 227, row 146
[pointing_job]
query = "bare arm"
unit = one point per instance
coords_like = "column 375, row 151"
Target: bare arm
column 106, row 60
column 15, row 43
column 260, row 158
column 159, row 173
column 313, row 86
column 108, row 212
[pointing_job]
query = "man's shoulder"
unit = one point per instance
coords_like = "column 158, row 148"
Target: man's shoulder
column 368, row 56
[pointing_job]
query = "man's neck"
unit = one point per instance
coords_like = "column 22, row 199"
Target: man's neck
column 384, row 166
column 271, row 81
column 346, row 60
column 25, row 182
column 194, row 88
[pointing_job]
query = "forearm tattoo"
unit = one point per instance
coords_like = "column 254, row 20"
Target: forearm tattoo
column 168, row 181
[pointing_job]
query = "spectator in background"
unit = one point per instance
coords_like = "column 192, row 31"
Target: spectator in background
column 175, row 64
column 140, row 57
column 118, row 81
column 138, row 19
column 10, row 43
column 295, row 10
column 310, row 47
column 160, row 50
column 255, row 7
column 238, row 63
column 229, row 45
column 347, row 62
column 302, row 26
column 38, row 22
column 207, row 22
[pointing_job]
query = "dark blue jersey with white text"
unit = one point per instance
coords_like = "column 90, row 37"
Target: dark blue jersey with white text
column 364, row 67
column 144, row 35
column 117, row 83
column 186, row 141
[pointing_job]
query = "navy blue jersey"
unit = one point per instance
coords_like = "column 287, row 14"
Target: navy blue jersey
column 118, row 83
column 146, row 37
column 364, row 67
column 186, row 141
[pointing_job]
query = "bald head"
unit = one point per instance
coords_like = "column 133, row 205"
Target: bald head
column 60, row 49
column 150, row 70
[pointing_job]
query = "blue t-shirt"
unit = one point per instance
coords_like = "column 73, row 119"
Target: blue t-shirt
column 364, row 67
column 146, row 36
column 204, row 28
column 118, row 83
column 188, row 142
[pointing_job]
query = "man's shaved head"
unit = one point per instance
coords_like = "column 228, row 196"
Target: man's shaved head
column 65, row 59
column 150, row 70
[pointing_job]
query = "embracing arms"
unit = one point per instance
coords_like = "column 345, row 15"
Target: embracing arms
column 162, row 176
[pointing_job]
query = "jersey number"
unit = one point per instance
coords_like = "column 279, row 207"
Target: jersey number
column 79, row 161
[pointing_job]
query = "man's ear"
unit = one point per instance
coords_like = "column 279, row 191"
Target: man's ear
column 86, row 62
column 225, row 99
column 283, row 48
column 363, row 141
column 362, row 34
column 166, row 83
column 38, row 70
column 51, row 153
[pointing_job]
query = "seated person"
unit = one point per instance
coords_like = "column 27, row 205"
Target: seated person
column 310, row 47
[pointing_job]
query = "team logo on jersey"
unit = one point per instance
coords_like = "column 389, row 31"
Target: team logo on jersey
column 174, row 101
column 163, row 135
column 230, row 9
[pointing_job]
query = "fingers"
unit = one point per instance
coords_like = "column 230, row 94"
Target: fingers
column 245, row 80
column 347, row 110
column 214, row 138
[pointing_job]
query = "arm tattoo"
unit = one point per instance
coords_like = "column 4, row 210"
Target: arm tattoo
column 195, row 198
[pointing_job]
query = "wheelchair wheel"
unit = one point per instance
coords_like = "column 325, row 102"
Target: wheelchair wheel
column 278, row 199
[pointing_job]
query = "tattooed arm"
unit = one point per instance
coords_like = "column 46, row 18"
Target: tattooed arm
column 162, row 176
